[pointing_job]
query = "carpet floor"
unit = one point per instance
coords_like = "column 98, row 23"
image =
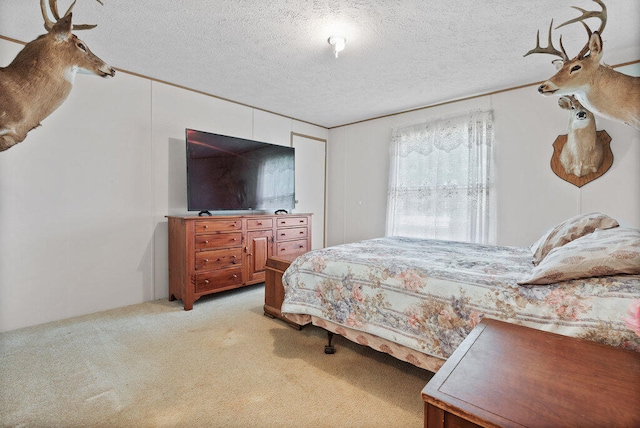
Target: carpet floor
column 223, row 364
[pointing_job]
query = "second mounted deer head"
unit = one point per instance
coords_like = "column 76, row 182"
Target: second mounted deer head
column 41, row 76
column 599, row 88
column 582, row 154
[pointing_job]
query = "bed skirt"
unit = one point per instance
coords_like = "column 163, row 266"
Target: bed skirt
column 418, row 359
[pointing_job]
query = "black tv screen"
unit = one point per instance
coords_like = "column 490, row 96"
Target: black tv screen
column 229, row 173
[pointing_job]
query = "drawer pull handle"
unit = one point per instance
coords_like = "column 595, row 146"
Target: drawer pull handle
column 300, row 246
column 234, row 256
column 206, row 242
column 206, row 260
column 206, row 227
column 301, row 232
column 283, row 234
column 234, row 276
column 206, row 281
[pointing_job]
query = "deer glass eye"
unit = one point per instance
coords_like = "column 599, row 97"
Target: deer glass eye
column 575, row 68
column 82, row 46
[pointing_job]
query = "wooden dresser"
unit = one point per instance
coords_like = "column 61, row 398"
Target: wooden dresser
column 505, row 375
column 212, row 254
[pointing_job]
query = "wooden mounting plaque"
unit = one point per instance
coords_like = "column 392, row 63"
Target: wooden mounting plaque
column 607, row 160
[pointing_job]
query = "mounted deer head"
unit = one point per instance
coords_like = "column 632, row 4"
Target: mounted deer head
column 582, row 154
column 599, row 88
column 41, row 76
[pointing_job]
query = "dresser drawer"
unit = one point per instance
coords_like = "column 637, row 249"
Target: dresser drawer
column 291, row 221
column 206, row 226
column 218, row 259
column 219, row 240
column 292, row 233
column 218, row 279
column 259, row 223
column 292, row 247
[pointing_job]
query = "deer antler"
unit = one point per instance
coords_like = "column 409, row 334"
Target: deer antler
column 600, row 14
column 550, row 49
column 53, row 6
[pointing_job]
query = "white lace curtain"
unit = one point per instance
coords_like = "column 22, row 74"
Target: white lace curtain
column 441, row 180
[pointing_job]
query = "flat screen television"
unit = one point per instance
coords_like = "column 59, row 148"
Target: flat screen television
column 229, row 173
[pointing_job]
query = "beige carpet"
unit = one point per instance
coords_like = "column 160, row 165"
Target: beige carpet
column 223, row 364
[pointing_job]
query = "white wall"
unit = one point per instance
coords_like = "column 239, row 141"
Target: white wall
column 83, row 198
column 531, row 198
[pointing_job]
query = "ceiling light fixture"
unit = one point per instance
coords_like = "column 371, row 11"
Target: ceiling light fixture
column 338, row 43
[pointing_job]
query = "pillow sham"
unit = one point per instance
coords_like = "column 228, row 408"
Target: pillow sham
column 568, row 230
column 601, row 253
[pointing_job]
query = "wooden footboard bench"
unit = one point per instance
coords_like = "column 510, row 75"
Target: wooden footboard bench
column 513, row 376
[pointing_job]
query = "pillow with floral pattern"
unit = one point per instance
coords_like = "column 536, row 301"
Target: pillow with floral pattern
column 601, row 253
column 568, row 230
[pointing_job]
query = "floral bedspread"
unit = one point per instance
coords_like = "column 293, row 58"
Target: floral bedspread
column 428, row 295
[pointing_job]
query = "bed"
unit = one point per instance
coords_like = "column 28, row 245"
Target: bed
column 417, row 299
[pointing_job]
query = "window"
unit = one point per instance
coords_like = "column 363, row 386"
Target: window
column 441, row 180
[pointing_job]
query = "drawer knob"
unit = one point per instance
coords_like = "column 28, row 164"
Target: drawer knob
column 206, row 242
column 206, row 260
column 206, row 227
column 206, row 281
column 235, row 276
column 300, row 246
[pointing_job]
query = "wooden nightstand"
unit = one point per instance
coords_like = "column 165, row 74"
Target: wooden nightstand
column 505, row 375
column 273, row 289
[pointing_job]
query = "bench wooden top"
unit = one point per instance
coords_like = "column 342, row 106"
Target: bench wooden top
column 513, row 376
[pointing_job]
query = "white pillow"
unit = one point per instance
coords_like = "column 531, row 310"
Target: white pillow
column 601, row 253
column 568, row 230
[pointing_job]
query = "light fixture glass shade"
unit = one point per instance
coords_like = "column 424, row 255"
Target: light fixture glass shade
column 338, row 43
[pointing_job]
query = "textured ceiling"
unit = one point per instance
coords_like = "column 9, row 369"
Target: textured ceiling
column 274, row 54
